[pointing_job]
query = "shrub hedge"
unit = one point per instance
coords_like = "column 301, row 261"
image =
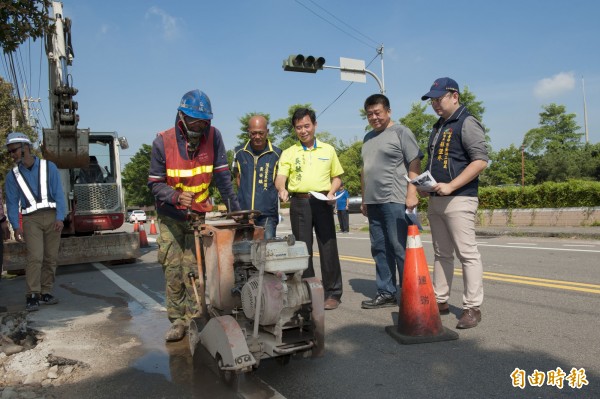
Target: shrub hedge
column 571, row 194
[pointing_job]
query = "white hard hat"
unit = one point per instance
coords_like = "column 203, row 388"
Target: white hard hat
column 16, row 137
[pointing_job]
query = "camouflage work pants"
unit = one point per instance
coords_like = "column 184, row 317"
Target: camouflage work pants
column 176, row 254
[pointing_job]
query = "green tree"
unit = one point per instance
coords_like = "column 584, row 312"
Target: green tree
column 135, row 178
column 363, row 116
column 283, row 129
column 20, row 20
column 7, row 103
column 419, row 123
column 590, row 161
column 506, row 168
column 242, row 137
column 558, row 166
column 351, row 161
column 475, row 108
column 558, row 131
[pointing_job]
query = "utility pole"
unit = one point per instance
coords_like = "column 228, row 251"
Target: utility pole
column 584, row 111
column 380, row 52
column 14, row 122
column 523, row 165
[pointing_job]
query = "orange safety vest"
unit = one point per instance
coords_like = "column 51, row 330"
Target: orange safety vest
column 194, row 174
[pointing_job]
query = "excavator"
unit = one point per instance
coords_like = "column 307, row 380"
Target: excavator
column 89, row 166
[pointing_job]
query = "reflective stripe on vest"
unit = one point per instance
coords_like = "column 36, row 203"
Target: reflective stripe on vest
column 192, row 175
column 35, row 204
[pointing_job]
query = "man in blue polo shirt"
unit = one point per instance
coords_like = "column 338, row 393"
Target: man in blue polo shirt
column 255, row 167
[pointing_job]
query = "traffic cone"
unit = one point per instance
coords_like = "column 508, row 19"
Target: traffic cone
column 419, row 318
column 143, row 238
column 136, row 226
column 152, row 227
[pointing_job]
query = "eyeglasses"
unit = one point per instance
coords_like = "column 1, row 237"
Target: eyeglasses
column 14, row 150
column 439, row 99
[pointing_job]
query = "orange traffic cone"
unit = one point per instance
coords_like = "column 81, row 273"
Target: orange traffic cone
column 143, row 238
column 419, row 318
column 136, row 226
column 152, row 227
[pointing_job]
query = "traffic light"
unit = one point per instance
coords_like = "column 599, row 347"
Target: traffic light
column 299, row 63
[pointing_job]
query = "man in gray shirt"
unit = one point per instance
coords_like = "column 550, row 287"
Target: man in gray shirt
column 389, row 152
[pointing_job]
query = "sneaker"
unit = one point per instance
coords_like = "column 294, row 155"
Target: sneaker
column 33, row 303
column 47, row 299
column 380, row 301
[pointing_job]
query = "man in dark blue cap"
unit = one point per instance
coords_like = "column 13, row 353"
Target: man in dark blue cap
column 457, row 155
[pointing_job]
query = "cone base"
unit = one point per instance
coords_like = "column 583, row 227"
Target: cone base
column 447, row 335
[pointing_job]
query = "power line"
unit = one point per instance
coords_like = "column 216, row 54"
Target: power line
column 355, row 30
column 334, row 25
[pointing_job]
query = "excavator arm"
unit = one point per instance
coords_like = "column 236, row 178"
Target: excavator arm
column 63, row 143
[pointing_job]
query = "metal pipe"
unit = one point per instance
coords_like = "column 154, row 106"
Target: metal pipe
column 262, row 253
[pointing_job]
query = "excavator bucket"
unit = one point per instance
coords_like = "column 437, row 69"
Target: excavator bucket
column 67, row 149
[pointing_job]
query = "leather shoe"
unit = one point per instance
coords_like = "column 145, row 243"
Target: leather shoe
column 469, row 318
column 332, row 303
column 380, row 301
column 444, row 308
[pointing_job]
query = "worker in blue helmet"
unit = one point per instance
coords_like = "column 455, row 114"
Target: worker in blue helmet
column 184, row 161
column 195, row 114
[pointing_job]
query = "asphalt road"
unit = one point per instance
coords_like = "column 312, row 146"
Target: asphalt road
column 540, row 314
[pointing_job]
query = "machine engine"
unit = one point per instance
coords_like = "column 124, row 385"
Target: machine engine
column 257, row 304
column 283, row 292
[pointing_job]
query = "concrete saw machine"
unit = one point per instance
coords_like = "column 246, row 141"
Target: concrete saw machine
column 253, row 302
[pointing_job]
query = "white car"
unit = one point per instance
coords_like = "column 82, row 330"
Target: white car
column 137, row 216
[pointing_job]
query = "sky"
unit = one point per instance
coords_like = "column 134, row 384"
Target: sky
column 135, row 59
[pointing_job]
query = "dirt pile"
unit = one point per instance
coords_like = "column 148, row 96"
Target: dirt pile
column 23, row 369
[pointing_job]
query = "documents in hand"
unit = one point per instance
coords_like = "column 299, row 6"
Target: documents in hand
column 423, row 182
column 414, row 218
column 323, row 197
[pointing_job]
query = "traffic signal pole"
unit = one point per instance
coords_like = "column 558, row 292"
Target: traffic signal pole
column 351, row 69
column 363, row 70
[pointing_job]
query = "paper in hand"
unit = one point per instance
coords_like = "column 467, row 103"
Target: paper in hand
column 423, row 182
column 323, row 197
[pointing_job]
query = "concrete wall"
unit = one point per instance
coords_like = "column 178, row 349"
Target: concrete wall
column 540, row 217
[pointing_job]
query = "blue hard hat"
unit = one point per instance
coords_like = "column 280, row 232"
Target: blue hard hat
column 196, row 104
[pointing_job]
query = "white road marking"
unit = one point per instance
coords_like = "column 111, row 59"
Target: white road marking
column 148, row 303
column 136, row 293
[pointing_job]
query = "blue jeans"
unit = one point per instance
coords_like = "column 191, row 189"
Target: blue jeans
column 269, row 223
column 388, row 230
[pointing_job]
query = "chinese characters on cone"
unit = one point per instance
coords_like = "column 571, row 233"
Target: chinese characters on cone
column 418, row 318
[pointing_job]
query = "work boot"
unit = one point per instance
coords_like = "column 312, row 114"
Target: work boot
column 175, row 333
column 47, row 299
column 33, row 303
